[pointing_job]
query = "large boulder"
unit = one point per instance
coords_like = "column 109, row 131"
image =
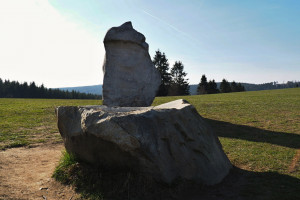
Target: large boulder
column 167, row 142
column 130, row 78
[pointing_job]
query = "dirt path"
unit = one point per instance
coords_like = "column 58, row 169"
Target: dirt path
column 296, row 159
column 25, row 173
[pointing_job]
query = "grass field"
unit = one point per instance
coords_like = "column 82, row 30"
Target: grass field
column 259, row 131
column 29, row 121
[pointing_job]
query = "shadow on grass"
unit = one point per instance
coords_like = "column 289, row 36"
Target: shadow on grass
column 229, row 130
column 244, row 185
column 240, row 184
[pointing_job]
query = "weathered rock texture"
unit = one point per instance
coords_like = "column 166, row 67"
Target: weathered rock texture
column 167, row 142
column 130, row 78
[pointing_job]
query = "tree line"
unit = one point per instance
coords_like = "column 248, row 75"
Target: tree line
column 271, row 85
column 14, row 89
column 210, row 87
column 174, row 83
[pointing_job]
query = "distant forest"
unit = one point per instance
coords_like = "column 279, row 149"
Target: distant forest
column 14, row 89
column 256, row 87
column 25, row 90
column 271, row 85
column 97, row 89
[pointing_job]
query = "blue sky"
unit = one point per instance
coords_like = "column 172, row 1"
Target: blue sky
column 252, row 41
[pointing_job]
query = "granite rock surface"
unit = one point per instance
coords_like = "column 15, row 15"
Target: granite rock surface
column 130, row 78
column 167, row 142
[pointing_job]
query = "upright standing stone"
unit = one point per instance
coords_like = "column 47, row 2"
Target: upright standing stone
column 130, row 78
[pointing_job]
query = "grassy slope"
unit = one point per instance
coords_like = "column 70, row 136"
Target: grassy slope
column 29, row 121
column 259, row 131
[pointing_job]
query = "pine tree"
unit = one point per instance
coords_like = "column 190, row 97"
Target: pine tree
column 33, row 90
column 225, row 86
column 212, row 87
column 203, row 85
column 162, row 65
column 240, row 87
column 25, row 90
column 234, row 86
column 179, row 85
column 6, row 89
column 42, row 91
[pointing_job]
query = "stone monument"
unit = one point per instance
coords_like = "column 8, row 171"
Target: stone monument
column 130, row 78
column 166, row 142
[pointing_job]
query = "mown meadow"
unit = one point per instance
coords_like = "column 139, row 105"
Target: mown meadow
column 259, row 131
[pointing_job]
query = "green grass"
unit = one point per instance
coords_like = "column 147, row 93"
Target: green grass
column 259, row 131
column 67, row 162
column 29, row 121
column 94, row 183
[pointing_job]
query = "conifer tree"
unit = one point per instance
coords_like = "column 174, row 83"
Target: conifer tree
column 179, row 85
column 234, row 86
column 225, row 86
column 212, row 87
column 203, row 85
column 161, row 63
column 240, row 87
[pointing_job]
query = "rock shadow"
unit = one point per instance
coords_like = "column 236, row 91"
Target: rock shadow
column 229, row 130
column 243, row 185
column 237, row 185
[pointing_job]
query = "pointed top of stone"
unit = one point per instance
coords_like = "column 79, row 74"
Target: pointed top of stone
column 126, row 33
column 127, row 25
